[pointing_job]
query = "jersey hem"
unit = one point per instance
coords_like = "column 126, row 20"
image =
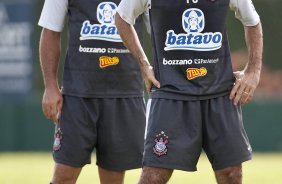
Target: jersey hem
column 175, row 96
column 103, row 96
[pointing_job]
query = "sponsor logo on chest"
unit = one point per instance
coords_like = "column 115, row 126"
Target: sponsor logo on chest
column 108, row 61
column 106, row 29
column 193, row 73
column 193, row 23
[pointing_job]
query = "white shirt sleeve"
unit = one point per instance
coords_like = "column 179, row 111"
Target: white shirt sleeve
column 53, row 15
column 245, row 12
column 129, row 10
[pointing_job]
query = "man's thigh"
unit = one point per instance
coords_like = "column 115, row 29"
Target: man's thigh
column 174, row 134
column 76, row 134
column 152, row 175
column 114, row 126
column 65, row 174
column 121, row 128
column 224, row 138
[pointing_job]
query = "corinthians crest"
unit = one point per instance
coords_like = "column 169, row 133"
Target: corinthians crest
column 160, row 147
column 57, row 140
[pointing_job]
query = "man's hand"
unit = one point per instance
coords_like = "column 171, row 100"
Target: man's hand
column 149, row 77
column 52, row 103
column 131, row 41
column 49, row 49
column 248, row 79
column 244, row 86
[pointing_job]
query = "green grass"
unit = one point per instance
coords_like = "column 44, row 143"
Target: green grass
column 37, row 168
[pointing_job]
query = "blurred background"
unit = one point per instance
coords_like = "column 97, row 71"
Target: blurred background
column 24, row 128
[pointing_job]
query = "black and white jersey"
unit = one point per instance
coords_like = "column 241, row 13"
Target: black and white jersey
column 97, row 63
column 190, row 44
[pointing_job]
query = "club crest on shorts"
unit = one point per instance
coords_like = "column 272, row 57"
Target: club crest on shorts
column 160, row 148
column 57, row 140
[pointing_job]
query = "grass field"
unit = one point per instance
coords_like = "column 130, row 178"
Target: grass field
column 37, row 168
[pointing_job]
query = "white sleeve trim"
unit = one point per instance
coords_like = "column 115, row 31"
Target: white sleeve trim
column 129, row 10
column 53, row 15
column 49, row 26
column 130, row 21
column 245, row 12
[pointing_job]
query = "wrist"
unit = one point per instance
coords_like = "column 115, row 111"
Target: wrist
column 51, row 87
column 254, row 70
column 143, row 61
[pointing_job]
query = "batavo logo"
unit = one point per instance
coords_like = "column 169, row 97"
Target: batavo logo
column 193, row 23
column 108, row 61
column 105, row 29
column 193, row 73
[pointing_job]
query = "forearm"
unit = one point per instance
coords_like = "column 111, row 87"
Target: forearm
column 254, row 41
column 49, row 51
column 131, row 40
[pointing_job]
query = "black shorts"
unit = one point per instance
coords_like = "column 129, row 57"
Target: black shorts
column 113, row 126
column 177, row 131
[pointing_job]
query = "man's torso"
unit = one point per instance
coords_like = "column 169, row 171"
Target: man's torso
column 97, row 63
column 191, row 51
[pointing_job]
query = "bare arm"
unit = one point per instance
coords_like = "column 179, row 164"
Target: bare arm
column 131, row 41
column 49, row 51
column 248, row 79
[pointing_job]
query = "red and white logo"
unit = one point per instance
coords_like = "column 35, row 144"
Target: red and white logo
column 57, row 140
column 193, row 73
column 160, row 148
